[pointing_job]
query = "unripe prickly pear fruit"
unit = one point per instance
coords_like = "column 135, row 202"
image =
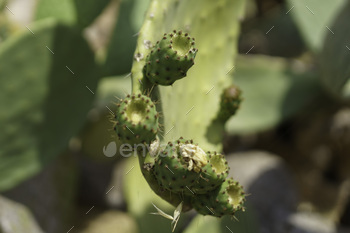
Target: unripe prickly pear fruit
column 179, row 165
column 225, row 200
column 175, row 199
column 229, row 103
column 170, row 58
column 136, row 119
column 213, row 174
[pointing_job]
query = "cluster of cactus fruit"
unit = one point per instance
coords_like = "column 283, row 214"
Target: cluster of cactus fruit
column 181, row 172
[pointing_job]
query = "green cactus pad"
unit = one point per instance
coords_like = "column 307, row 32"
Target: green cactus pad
column 170, row 58
column 229, row 102
column 136, row 119
column 178, row 166
column 225, row 200
column 213, row 174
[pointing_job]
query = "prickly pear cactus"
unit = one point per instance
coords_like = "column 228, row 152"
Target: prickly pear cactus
column 231, row 98
column 136, row 119
column 170, row 59
column 179, row 165
column 225, row 200
column 213, row 173
column 190, row 105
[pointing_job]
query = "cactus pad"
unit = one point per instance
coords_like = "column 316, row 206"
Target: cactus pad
column 225, row 200
column 136, row 119
column 213, row 174
column 178, row 166
column 229, row 103
column 170, row 59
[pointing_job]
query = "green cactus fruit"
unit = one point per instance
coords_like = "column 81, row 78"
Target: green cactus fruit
column 136, row 119
column 179, row 165
column 225, row 200
column 175, row 199
column 170, row 58
column 213, row 174
column 230, row 101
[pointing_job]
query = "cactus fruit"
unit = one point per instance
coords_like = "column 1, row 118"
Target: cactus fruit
column 230, row 101
column 136, row 119
column 178, row 166
column 213, row 174
column 170, row 59
column 147, row 169
column 225, row 200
